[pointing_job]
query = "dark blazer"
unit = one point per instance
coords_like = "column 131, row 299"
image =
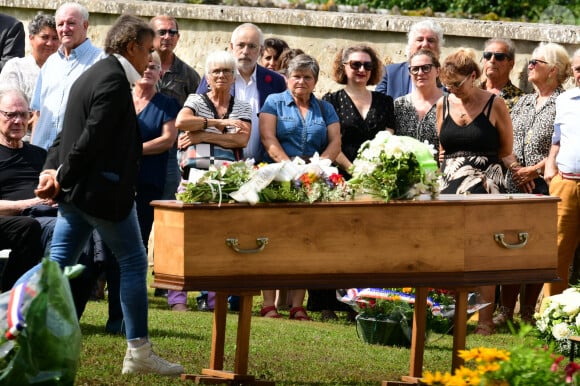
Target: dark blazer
column 396, row 80
column 99, row 148
column 11, row 39
column 268, row 82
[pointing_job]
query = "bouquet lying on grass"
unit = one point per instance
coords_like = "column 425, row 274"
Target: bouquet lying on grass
column 388, row 167
column 559, row 318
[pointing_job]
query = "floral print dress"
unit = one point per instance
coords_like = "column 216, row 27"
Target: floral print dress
column 407, row 122
column 471, row 163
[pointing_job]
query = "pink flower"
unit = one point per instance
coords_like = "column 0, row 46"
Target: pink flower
column 268, row 78
column 570, row 369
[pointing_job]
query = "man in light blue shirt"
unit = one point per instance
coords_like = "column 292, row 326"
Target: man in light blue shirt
column 562, row 172
column 75, row 55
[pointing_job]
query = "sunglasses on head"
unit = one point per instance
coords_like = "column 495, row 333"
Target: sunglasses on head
column 426, row 68
column 456, row 85
column 356, row 65
column 533, row 62
column 171, row 32
column 499, row 56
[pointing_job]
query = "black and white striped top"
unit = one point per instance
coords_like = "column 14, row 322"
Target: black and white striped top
column 202, row 106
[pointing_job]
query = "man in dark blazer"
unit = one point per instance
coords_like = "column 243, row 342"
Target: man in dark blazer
column 91, row 169
column 396, row 80
column 11, row 39
column 253, row 82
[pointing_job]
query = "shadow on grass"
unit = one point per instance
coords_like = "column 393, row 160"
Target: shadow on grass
column 92, row 329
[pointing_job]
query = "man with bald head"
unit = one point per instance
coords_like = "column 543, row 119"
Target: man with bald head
column 74, row 56
column 253, row 82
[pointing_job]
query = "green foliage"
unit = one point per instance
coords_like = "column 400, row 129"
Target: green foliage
column 553, row 11
column 281, row 350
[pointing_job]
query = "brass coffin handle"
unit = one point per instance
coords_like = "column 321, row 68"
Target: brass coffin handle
column 522, row 236
column 260, row 241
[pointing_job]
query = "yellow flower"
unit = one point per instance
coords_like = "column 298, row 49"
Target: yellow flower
column 436, row 379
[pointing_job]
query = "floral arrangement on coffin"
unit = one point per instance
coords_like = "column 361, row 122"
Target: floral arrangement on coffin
column 395, row 167
column 559, row 318
column 523, row 365
column 289, row 181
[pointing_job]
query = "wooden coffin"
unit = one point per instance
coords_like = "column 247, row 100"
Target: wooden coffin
column 454, row 240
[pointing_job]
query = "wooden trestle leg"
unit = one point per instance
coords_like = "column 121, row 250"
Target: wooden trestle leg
column 216, row 374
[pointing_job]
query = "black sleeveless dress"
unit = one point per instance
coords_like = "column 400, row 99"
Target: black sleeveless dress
column 471, row 163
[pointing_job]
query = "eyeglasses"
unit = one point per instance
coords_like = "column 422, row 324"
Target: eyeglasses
column 356, row 65
column 456, row 85
column 251, row 46
column 153, row 67
column 219, row 71
column 163, row 32
column 534, row 62
column 12, row 115
column 499, row 56
column 426, row 68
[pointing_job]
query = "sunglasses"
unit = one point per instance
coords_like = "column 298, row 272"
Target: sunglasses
column 456, row 85
column 171, row 32
column 534, row 62
column 12, row 115
column 356, row 65
column 499, row 56
column 426, row 68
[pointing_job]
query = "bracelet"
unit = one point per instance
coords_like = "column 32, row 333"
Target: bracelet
column 204, row 123
column 515, row 163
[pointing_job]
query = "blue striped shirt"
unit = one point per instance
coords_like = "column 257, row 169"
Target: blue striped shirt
column 52, row 88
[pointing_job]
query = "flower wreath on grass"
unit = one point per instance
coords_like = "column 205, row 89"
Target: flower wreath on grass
column 382, row 303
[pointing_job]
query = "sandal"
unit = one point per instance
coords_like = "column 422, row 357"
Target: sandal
column 302, row 318
column 270, row 312
column 484, row 329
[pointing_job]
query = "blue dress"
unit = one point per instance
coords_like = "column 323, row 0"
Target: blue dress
column 153, row 170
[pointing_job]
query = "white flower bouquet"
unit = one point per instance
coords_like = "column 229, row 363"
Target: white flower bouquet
column 395, row 167
column 559, row 319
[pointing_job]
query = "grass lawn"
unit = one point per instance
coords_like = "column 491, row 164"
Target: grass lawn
column 284, row 351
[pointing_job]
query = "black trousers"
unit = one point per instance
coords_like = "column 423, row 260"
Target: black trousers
column 23, row 236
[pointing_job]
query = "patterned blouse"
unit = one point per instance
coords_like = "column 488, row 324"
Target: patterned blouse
column 532, row 131
column 407, row 122
column 509, row 93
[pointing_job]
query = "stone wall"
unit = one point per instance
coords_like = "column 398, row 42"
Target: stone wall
column 207, row 27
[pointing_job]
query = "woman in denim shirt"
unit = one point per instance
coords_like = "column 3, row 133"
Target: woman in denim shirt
column 297, row 124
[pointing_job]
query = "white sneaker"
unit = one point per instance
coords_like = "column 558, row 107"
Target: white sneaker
column 142, row 360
